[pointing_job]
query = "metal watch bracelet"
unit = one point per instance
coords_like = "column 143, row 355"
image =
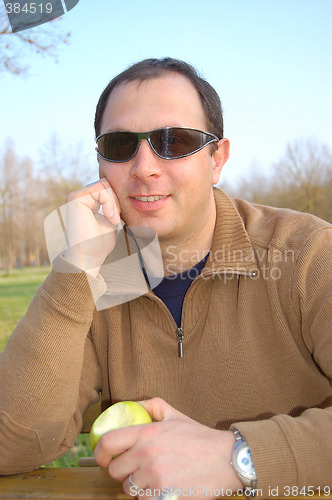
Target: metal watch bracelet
column 242, row 462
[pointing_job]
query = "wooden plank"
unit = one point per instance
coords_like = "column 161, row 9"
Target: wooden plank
column 66, row 483
column 71, row 483
column 87, row 462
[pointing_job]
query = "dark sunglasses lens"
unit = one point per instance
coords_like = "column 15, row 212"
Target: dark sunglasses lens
column 118, row 146
column 177, row 142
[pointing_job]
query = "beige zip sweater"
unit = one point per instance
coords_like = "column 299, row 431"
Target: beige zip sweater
column 257, row 350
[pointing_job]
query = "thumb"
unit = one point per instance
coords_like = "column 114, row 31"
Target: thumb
column 159, row 409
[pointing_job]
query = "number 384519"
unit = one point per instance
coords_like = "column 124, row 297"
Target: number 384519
column 28, row 8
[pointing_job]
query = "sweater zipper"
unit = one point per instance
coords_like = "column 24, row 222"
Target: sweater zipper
column 180, row 337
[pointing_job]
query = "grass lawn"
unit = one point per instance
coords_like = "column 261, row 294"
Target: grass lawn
column 16, row 292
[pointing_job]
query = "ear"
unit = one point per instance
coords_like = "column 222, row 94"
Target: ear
column 219, row 158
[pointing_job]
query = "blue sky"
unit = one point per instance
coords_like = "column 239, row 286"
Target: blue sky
column 269, row 60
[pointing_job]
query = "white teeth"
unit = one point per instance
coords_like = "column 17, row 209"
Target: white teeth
column 149, row 198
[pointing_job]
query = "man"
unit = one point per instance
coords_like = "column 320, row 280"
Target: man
column 241, row 357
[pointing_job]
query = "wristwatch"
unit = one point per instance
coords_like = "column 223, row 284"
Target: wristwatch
column 242, row 462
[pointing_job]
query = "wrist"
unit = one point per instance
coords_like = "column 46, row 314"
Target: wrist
column 87, row 263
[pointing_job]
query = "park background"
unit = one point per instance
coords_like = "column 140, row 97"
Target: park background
column 269, row 60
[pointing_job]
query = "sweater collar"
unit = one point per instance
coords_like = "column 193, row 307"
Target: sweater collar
column 231, row 251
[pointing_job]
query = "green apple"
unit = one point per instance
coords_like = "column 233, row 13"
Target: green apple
column 122, row 414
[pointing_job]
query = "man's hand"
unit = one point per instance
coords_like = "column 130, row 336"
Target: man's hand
column 173, row 451
column 91, row 234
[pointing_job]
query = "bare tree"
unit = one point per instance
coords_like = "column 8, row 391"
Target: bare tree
column 28, row 195
column 30, row 249
column 45, row 39
column 63, row 170
column 255, row 187
column 302, row 176
column 301, row 180
column 9, row 199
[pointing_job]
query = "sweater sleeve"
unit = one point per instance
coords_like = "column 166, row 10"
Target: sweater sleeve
column 296, row 451
column 49, row 372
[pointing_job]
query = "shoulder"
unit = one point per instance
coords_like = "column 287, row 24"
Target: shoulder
column 281, row 227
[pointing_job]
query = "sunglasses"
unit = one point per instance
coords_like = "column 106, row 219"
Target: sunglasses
column 169, row 143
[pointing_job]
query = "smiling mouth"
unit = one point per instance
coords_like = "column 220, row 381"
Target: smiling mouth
column 149, row 198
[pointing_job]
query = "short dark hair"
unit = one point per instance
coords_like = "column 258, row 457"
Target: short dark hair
column 155, row 68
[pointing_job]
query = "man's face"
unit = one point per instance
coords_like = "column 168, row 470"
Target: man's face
column 185, row 183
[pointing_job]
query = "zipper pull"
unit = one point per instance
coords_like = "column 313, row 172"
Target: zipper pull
column 180, row 336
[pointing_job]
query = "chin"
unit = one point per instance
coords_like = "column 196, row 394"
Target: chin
column 151, row 222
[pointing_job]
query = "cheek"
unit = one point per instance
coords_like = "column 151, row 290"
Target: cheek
column 114, row 173
column 183, row 172
column 101, row 168
column 107, row 169
column 195, row 172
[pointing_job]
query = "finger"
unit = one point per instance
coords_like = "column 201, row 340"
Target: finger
column 136, row 487
column 109, row 186
column 114, row 443
column 121, row 466
column 107, row 201
column 98, row 185
column 88, row 189
column 116, row 208
column 98, row 195
column 110, row 203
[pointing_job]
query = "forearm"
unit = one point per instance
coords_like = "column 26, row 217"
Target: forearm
column 291, row 451
column 41, row 369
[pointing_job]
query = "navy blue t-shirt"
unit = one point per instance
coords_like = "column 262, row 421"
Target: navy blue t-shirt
column 172, row 289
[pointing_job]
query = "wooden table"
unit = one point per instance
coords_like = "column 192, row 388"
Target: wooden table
column 82, row 482
column 67, row 483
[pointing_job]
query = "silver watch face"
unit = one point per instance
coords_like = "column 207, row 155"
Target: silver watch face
column 245, row 462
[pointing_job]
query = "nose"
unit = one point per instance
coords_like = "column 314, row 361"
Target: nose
column 145, row 163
